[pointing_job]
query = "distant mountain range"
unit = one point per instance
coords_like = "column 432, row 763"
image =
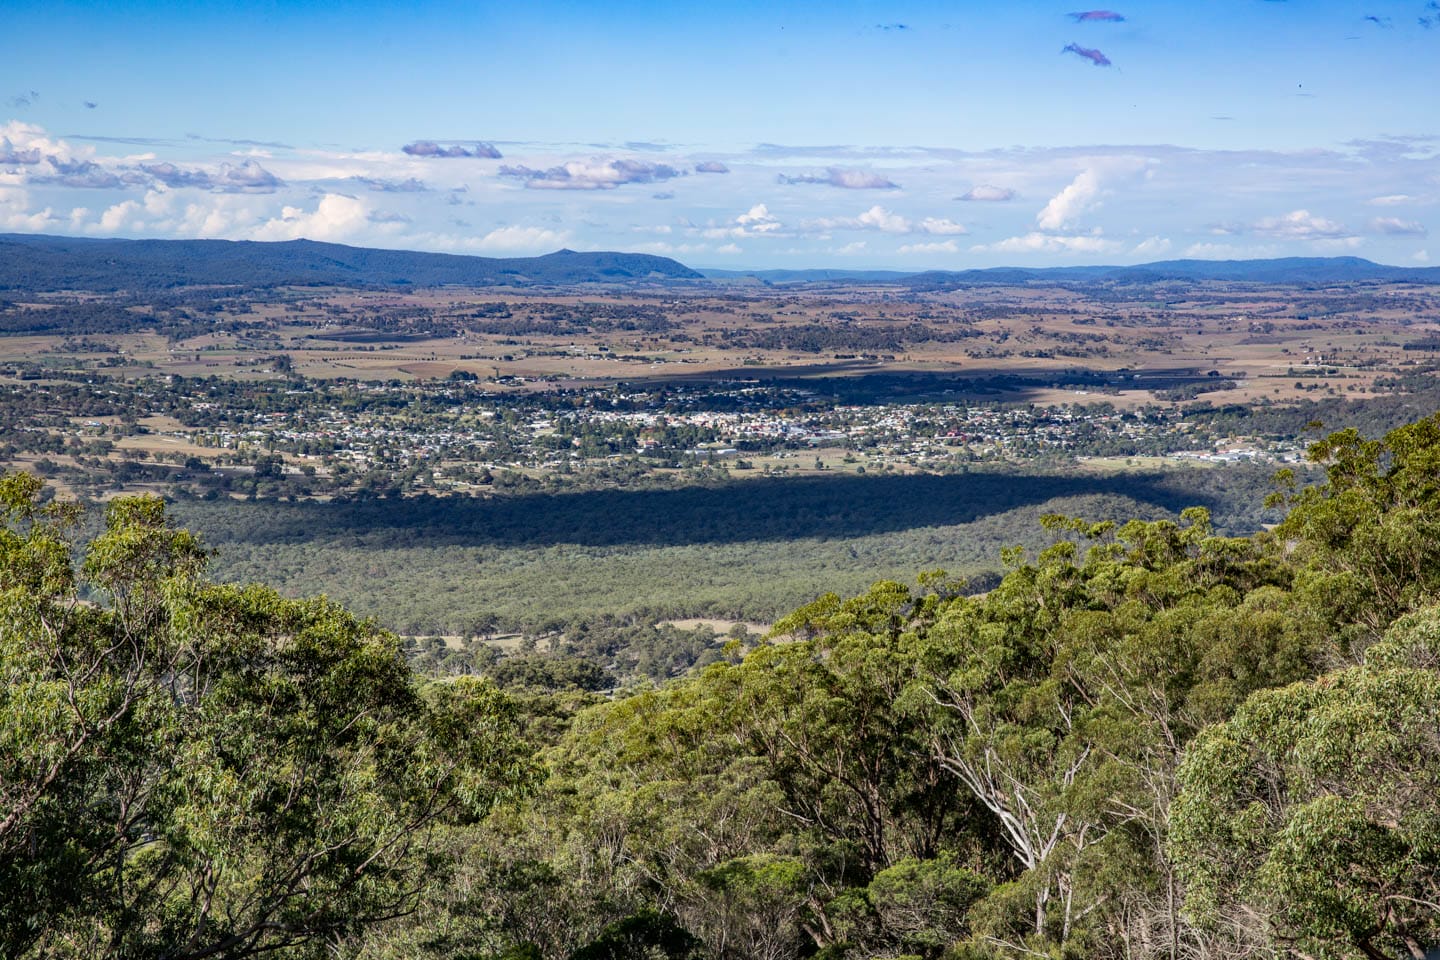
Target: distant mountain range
column 38, row 263
column 47, row 263
column 1285, row 270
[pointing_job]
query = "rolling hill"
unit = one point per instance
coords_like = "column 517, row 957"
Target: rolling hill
column 37, row 263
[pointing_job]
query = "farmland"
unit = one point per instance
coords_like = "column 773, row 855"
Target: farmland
column 562, row 447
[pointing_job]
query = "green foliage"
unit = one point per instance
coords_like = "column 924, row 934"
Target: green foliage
column 749, row 550
column 1317, row 807
column 1368, row 539
column 646, row 935
column 919, row 906
column 190, row 770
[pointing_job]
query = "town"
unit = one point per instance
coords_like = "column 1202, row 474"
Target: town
column 287, row 438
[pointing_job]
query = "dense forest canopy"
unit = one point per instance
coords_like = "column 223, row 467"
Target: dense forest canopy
column 1148, row 740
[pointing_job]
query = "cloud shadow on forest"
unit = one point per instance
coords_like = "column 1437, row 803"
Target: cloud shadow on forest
column 752, row 510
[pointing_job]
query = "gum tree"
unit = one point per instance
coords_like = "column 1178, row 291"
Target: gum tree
column 190, row 770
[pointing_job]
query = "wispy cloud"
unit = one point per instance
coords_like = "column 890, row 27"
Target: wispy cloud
column 228, row 141
column 129, row 141
column 711, row 166
column 22, row 100
column 381, row 185
column 431, row 149
column 1089, row 53
column 1394, row 226
column 1096, row 16
column 936, row 246
column 591, row 174
column 1050, row 243
column 985, row 193
column 844, row 178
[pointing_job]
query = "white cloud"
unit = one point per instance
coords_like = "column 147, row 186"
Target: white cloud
column 1083, row 193
column 521, row 238
column 758, row 219
column 217, row 217
column 1036, row 242
column 845, row 179
column 878, row 218
column 1391, row 200
column 886, row 221
column 987, row 193
column 119, row 217
column 1152, row 247
column 1421, row 256
column 592, row 174
column 1299, row 225
column 15, row 213
column 335, row 217
column 1069, row 203
column 729, row 248
column 27, row 143
column 941, row 226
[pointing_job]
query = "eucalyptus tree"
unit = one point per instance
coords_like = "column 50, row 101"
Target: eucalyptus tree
column 1309, row 823
column 1367, row 540
column 1064, row 698
column 190, row 770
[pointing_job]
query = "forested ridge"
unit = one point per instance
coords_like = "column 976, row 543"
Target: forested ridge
column 45, row 263
column 1148, row 740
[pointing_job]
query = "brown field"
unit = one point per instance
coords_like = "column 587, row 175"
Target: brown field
column 1276, row 343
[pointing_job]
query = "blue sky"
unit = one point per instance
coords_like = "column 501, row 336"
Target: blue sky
column 897, row 135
